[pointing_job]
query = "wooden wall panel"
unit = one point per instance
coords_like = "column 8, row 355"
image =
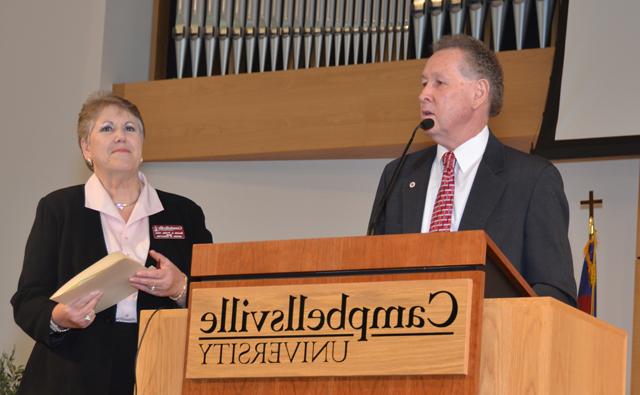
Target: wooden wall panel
column 635, row 339
column 635, row 344
column 158, row 57
column 638, row 227
column 357, row 111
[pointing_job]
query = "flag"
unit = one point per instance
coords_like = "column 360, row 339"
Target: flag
column 588, row 279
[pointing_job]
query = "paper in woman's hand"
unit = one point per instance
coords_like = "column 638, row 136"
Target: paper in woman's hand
column 110, row 275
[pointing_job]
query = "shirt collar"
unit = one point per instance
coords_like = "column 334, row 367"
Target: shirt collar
column 97, row 198
column 467, row 153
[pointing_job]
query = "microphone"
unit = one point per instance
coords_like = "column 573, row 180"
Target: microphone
column 426, row 124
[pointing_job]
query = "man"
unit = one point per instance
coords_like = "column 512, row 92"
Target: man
column 472, row 181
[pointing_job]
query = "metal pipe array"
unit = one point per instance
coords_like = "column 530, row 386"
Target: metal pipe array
column 246, row 36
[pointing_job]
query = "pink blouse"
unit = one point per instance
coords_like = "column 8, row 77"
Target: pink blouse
column 131, row 237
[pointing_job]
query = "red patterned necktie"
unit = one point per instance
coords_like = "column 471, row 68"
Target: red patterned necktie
column 442, row 210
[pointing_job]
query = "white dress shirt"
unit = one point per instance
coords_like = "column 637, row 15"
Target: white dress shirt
column 132, row 237
column 468, row 156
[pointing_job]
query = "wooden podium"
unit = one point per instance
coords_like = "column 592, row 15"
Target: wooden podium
column 516, row 345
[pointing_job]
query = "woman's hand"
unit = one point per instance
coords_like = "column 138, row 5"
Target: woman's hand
column 78, row 314
column 163, row 280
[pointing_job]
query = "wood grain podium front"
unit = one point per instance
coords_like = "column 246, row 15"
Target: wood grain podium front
column 522, row 345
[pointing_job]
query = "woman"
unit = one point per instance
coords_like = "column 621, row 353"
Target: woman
column 76, row 350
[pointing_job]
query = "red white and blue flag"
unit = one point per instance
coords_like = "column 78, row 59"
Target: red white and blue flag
column 588, row 279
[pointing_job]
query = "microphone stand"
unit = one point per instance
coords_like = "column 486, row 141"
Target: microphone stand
column 426, row 124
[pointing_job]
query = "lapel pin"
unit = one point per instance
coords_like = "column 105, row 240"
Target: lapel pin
column 412, row 184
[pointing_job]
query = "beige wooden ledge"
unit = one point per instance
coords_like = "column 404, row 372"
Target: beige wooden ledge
column 357, row 111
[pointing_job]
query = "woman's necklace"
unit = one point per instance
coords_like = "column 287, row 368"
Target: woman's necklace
column 122, row 206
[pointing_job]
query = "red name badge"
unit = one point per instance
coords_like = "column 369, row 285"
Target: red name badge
column 168, row 232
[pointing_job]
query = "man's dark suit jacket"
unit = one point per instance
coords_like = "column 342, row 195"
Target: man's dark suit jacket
column 518, row 199
column 66, row 238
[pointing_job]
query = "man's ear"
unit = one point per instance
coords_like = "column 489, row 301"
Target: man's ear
column 481, row 93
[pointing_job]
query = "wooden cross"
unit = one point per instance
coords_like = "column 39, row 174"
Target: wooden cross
column 591, row 202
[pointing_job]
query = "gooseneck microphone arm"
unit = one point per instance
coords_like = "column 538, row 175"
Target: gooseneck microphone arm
column 426, row 124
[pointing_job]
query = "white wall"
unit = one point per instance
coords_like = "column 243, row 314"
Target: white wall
column 276, row 200
column 600, row 35
column 41, row 96
column 50, row 60
column 126, row 46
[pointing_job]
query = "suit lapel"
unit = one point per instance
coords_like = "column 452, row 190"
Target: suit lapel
column 89, row 227
column 94, row 240
column 488, row 187
column 158, row 218
column 414, row 190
